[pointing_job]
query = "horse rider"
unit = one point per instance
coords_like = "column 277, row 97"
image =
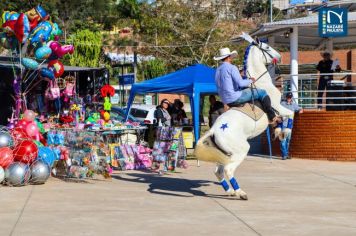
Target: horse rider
column 235, row 91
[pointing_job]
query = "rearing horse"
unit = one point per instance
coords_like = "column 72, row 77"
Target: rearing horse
column 233, row 128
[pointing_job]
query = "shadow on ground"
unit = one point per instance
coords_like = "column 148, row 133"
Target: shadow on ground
column 170, row 186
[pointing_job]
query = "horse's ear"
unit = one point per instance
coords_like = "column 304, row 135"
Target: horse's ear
column 257, row 40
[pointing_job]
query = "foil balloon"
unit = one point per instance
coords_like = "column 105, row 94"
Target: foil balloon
column 25, row 151
column 47, row 73
column 22, row 124
column 22, row 28
column 57, row 67
column 19, row 134
column 56, row 31
column 6, row 157
column 10, row 16
column 41, row 12
column 32, row 130
column 29, row 63
column 2, row 174
column 46, row 155
column 43, row 53
column 59, row 50
column 29, row 115
column 41, row 33
column 6, row 139
column 17, row 174
column 40, row 172
column 106, row 116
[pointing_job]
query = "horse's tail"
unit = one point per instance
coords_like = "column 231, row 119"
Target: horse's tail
column 207, row 150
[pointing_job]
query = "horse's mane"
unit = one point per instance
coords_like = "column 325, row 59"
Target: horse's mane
column 247, row 52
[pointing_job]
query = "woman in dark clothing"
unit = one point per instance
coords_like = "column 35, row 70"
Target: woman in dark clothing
column 163, row 118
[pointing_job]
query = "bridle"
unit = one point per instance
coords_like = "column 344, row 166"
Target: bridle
column 265, row 52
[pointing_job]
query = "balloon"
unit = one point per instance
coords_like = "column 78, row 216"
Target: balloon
column 41, row 12
column 9, row 26
column 19, row 134
column 47, row 73
column 17, row 174
column 41, row 33
column 29, row 115
column 56, row 31
column 43, row 53
column 33, row 15
column 47, row 155
column 38, row 144
column 57, row 67
column 2, row 174
column 22, row 28
column 10, row 125
column 25, row 151
column 6, row 139
column 22, row 124
column 29, row 63
column 60, row 50
column 6, row 157
column 40, row 172
column 32, row 130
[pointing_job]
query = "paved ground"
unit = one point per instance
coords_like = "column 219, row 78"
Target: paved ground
column 293, row 197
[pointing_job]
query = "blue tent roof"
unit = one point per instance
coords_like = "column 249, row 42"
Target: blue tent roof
column 181, row 81
column 192, row 81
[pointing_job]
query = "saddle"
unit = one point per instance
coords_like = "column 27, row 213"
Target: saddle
column 254, row 111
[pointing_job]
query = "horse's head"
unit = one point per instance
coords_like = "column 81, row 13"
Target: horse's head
column 268, row 54
column 261, row 51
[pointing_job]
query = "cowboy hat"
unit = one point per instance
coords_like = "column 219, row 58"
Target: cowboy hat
column 225, row 52
column 326, row 52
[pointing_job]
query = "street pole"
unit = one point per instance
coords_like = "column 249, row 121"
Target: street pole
column 271, row 11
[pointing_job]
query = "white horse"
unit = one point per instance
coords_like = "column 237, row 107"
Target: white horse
column 233, row 128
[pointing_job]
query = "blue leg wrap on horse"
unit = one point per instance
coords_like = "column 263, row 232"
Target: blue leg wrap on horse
column 280, row 125
column 224, row 184
column 234, row 183
column 290, row 123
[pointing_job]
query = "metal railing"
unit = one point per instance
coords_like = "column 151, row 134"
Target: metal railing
column 340, row 92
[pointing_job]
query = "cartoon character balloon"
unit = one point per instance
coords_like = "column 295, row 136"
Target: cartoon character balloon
column 57, row 67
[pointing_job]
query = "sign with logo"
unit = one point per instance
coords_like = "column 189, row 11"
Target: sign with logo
column 333, row 22
column 126, row 79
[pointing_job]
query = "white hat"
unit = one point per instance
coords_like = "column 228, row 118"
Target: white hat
column 225, row 52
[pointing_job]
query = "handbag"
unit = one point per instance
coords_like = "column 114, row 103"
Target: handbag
column 52, row 92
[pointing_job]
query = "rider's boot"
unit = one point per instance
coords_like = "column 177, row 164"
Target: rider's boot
column 267, row 108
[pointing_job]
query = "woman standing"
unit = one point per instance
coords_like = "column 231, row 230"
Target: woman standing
column 162, row 140
column 163, row 118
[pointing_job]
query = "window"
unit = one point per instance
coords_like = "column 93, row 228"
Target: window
column 138, row 113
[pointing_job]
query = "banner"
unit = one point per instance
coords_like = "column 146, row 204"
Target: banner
column 333, row 22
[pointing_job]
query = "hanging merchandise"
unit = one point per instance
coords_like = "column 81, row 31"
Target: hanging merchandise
column 52, row 92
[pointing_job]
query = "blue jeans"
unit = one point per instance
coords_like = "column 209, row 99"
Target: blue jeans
column 284, row 145
column 249, row 94
column 40, row 103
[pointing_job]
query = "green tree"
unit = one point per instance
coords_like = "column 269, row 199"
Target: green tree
column 154, row 68
column 88, row 48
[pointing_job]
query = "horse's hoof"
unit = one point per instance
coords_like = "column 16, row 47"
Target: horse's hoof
column 241, row 194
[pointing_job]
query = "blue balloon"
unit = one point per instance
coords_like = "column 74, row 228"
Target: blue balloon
column 47, row 73
column 29, row 63
column 41, row 33
column 43, row 52
column 47, row 155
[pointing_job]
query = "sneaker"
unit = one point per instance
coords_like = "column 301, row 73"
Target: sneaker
column 284, row 158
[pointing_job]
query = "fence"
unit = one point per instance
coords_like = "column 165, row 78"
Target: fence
column 339, row 94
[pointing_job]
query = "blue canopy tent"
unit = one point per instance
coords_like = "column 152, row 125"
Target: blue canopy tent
column 193, row 81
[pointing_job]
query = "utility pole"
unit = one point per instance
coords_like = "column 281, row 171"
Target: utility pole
column 271, row 10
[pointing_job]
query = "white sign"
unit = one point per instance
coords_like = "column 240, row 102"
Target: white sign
column 115, row 99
